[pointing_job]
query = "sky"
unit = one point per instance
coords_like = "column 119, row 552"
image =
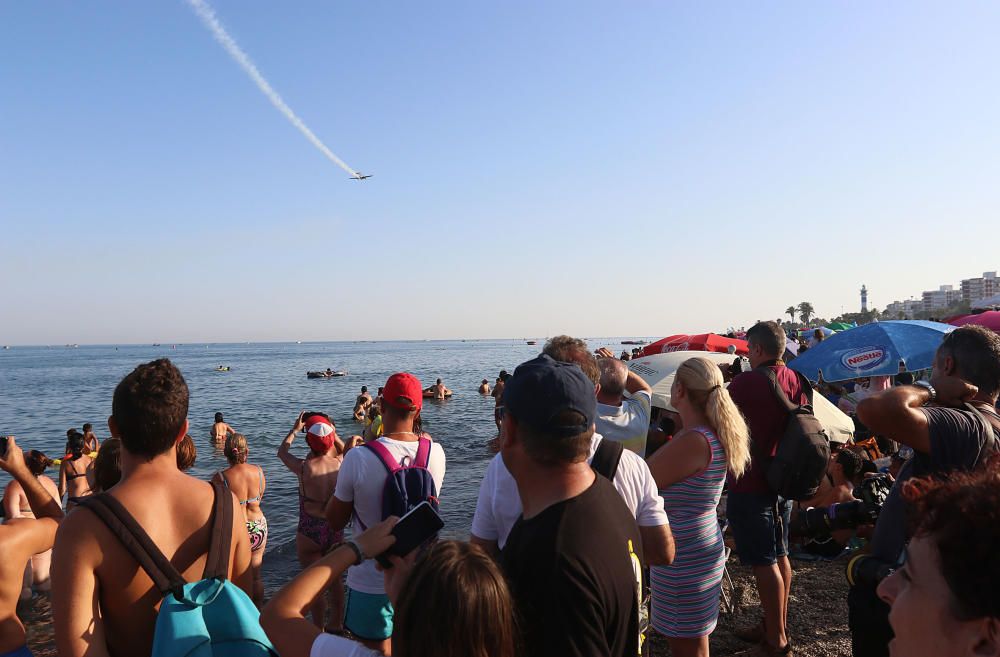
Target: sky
column 578, row 167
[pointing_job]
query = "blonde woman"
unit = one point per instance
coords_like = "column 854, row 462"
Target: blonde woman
column 247, row 483
column 690, row 472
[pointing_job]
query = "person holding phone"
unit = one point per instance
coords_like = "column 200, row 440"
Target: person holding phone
column 451, row 600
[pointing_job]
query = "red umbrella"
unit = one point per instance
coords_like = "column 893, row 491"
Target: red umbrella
column 990, row 319
column 701, row 342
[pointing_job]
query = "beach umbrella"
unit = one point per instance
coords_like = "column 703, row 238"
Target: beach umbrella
column 877, row 349
column 990, row 319
column 840, row 326
column 808, row 332
column 659, row 371
column 710, row 342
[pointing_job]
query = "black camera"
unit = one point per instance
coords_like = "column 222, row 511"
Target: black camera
column 821, row 521
column 866, row 570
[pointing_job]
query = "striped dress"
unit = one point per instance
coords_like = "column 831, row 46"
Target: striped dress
column 686, row 593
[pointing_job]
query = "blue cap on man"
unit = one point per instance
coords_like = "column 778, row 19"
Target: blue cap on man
column 542, row 389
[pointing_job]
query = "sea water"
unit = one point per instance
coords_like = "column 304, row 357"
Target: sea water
column 46, row 390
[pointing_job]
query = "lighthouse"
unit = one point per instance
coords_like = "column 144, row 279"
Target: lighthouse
column 864, row 299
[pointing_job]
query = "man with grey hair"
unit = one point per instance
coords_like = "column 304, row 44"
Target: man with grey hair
column 620, row 418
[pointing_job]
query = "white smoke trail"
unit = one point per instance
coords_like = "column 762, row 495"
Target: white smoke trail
column 207, row 15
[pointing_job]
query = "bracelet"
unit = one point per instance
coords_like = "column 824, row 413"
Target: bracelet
column 929, row 388
column 359, row 555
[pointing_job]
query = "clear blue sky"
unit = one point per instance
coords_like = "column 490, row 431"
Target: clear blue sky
column 584, row 167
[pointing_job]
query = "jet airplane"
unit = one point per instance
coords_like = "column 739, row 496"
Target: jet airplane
column 360, row 176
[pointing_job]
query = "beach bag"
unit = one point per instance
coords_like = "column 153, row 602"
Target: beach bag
column 209, row 618
column 606, row 458
column 407, row 484
column 803, row 454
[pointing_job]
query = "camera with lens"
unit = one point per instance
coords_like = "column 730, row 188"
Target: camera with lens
column 821, row 521
column 866, row 570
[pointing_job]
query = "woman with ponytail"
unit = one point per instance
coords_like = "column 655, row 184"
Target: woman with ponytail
column 76, row 473
column 690, row 472
column 247, row 483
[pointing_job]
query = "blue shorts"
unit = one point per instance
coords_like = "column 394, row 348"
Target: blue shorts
column 20, row 652
column 761, row 536
column 368, row 615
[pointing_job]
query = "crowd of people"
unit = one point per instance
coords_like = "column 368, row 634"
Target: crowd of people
column 599, row 521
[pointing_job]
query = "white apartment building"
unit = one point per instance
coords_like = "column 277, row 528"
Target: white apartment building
column 974, row 289
column 941, row 298
column 909, row 308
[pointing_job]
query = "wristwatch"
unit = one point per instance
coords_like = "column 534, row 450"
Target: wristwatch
column 929, row 388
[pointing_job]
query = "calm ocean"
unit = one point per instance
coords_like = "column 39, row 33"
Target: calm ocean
column 46, row 390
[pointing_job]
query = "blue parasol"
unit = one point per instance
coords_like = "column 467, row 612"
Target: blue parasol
column 877, row 349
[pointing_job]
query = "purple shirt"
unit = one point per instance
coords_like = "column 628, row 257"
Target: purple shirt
column 766, row 418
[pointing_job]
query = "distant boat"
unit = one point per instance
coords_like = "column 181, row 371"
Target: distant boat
column 532, row 341
column 635, row 342
column 298, row 342
column 6, row 346
column 221, row 368
column 156, row 344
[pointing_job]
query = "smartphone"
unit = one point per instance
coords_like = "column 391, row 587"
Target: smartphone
column 3, row 445
column 419, row 525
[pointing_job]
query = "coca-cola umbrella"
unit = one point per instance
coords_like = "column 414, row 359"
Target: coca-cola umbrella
column 990, row 319
column 701, row 342
column 876, row 349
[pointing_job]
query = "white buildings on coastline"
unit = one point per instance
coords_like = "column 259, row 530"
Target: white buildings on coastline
column 979, row 292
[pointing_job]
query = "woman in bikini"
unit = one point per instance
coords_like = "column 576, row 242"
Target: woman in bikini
column 16, row 505
column 317, row 475
column 76, row 474
column 247, row 483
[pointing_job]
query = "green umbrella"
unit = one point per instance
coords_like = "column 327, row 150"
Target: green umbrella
column 839, row 326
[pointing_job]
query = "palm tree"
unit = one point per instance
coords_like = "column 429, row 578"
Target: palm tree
column 806, row 311
column 790, row 311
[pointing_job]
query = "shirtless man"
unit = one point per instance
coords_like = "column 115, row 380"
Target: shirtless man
column 439, row 390
column 90, row 441
column 497, row 394
column 836, row 488
column 221, row 430
column 20, row 538
column 361, row 404
column 103, row 603
column 484, row 387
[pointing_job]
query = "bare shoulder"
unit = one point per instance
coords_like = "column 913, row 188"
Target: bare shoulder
column 81, row 535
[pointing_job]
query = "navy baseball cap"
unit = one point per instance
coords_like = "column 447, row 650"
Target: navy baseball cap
column 542, row 388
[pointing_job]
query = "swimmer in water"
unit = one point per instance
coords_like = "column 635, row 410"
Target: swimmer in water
column 439, row 390
column 484, row 387
column 221, row 430
column 361, row 404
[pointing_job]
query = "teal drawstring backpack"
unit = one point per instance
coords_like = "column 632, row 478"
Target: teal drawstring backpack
column 209, row 618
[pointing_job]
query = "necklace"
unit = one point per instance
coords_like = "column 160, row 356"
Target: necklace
column 393, row 433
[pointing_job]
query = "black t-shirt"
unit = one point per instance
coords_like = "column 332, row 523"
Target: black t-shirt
column 575, row 573
column 957, row 439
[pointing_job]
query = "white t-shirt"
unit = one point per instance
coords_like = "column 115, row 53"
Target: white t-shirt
column 499, row 504
column 329, row 645
column 627, row 424
column 361, row 480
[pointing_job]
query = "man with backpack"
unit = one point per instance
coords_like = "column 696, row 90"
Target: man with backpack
column 952, row 424
column 499, row 506
column 388, row 476
column 109, row 569
column 573, row 558
column 758, row 516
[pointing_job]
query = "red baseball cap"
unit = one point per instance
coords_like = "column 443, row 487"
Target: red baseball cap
column 403, row 390
column 320, row 433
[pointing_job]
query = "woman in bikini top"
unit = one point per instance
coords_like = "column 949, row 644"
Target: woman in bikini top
column 248, row 484
column 76, row 474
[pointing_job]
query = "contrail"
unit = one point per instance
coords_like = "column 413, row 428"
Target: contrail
column 207, row 16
